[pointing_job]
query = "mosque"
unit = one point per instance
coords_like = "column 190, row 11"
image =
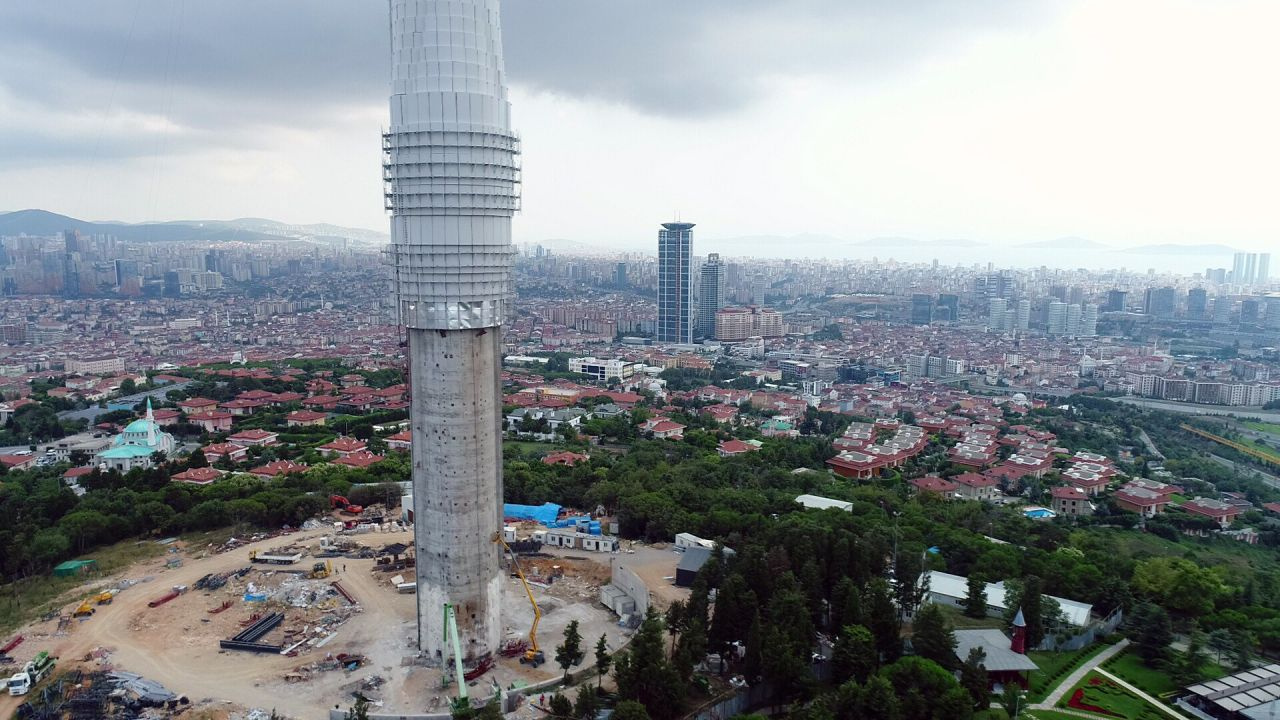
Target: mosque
column 133, row 447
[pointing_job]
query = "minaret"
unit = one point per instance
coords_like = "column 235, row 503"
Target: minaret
column 151, row 425
column 451, row 171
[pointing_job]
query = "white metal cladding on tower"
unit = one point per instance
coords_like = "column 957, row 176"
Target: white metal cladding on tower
column 452, row 179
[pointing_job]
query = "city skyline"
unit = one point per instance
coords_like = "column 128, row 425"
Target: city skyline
column 1054, row 145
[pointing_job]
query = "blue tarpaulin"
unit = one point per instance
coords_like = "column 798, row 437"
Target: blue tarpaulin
column 545, row 513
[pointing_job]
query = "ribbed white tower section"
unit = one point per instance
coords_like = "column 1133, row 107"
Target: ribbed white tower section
column 451, row 172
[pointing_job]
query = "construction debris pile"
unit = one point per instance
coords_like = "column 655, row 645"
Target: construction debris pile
column 102, row 696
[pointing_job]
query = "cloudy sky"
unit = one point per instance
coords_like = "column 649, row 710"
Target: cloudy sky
column 1004, row 121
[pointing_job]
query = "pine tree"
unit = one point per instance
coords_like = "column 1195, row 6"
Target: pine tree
column 975, row 601
column 560, row 706
column 846, row 605
column 854, row 655
column 973, row 677
column 882, row 619
column 587, row 703
column 933, row 638
column 644, row 674
column 629, row 710
column 570, row 652
column 603, row 660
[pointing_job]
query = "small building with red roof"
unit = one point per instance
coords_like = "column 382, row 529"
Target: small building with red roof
column 360, row 459
column 942, row 487
column 1222, row 513
column 305, row 418
column 401, row 441
column 342, row 447
column 1071, row 501
column 973, row 486
column 211, row 421
column 278, row 468
column 565, row 457
column 197, row 476
column 254, row 437
column 733, row 446
column 196, row 404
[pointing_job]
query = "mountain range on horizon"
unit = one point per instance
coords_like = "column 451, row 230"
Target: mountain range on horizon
column 44, row 222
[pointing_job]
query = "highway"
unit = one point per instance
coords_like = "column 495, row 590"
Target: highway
column 1195, row 409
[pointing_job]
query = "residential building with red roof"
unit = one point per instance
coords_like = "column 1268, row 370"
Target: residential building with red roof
column 211, row 421
column 360, row 459
column 343, row 446
column 18, row 462
column 197, row 476
column 733, row 446
column 232, row 452
column 942, row 487
column 279, row 467
column 1141, row 500
column 305, row 418
column 1222, row 513
column 401, row 441
column 254, row 437
column 667, row 430
column 1071, row 501
column 973, row 486
column 565, row 457
column 196, row 404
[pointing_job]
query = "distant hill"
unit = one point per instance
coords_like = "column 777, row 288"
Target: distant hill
column 1067, row 243
column 906, row 242
column 1170, row 249
column 43, row 222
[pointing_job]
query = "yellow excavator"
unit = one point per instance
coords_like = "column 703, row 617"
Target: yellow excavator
column 533, row 655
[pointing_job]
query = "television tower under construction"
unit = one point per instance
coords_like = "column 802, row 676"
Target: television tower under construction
column 451, row 171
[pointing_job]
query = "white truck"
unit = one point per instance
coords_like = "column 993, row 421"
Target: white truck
column 33, row 672
column 268, row 559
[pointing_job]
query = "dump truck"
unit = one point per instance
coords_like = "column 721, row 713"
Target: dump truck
column 269, row 559
column 20, row 683
column 105, row 598
column 85, row 610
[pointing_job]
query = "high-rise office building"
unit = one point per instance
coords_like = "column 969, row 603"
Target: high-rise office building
column 1073, row 319
column 1197, row 303
column 71, row 264
column 675, row 283
column 1056, row 323
column 949, row 307
column 1250, row 268
column 1022, row 316
column 450, row 163
column 1088, row 320
column 1250, row 311
column 620, row 275
column 1237, row 267
column 1159, row 302
column 997, row 308
column 710, row 295
column 921, row 309
column 1116, row 301
column 1264, row 268
column 125, row 270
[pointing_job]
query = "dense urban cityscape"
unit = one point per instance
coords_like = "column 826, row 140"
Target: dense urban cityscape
column 514, row 462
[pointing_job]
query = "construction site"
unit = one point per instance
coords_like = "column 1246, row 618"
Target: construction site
column 304, row 621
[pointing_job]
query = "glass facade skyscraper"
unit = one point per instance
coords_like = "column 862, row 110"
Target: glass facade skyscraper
column 675, row 283
column 710, row 295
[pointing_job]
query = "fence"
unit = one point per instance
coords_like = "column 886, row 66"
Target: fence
column 1087, row 636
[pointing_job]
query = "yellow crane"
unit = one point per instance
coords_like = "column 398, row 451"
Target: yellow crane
column 1251, row 452
column 533, row 655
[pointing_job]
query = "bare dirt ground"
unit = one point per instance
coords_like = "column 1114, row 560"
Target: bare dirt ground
column 655, row 564
column 176, row 644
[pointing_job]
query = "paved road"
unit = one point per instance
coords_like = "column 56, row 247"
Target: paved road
column 91, row 414
column 1151, row 446
column 1247, row 470
column 1195, row 409
column 1167, row 710
column 1077, row 675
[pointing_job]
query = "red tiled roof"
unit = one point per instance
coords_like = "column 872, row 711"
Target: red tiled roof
column 362, row 459
column 344, row 444
column 279, row 467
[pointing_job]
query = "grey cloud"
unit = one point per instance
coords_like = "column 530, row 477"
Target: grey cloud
column 230, row 67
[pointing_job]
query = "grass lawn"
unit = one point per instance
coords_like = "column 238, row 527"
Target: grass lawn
column 1047, row 715
column 1129, row 666
column 1112, row 699
column 26, row 600
column 529, row 448
column 1054, row 668
column 1273, row 428
column 994, row 713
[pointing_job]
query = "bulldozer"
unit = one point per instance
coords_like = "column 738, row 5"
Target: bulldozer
column 105, row 598
column 320, row 570
column 85, row 610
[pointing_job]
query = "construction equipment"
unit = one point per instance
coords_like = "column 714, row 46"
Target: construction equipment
column 320, row 571
column 1254, row 453
column 533, row 655
column 342, row 504
column 85, row 610
column 451, row 629
column 268, row 559
column 20, row 683
column 105, row 598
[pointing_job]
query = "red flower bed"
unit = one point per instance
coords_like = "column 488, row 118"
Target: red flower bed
column 1077, row 702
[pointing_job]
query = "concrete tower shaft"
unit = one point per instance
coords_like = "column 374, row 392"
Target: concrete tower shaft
column 452, row 178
